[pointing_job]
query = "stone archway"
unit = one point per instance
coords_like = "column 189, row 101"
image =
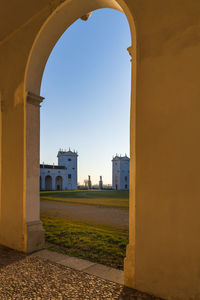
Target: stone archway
column 164, row 247
column 50, row 32
column 59, row 183
column 48, row 183
column 55, row 25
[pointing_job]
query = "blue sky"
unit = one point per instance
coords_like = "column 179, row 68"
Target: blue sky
column 86, row 85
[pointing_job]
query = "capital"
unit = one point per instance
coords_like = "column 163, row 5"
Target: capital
column 131, row 52
column 86, row 16
column 34, row 99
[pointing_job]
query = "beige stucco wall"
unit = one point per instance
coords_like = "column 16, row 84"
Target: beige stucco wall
column 13, row 56
column 163, row 256
column 167, row 150
column 167, row 181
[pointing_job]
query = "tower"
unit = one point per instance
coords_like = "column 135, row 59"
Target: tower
column 120, row 172
column 68, row 159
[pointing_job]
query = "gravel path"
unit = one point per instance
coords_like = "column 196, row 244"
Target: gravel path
column 29, row 277
column 100, row 215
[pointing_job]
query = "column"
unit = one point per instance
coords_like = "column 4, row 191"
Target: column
column 34, row 229
column 53, row 176
column 129, row 262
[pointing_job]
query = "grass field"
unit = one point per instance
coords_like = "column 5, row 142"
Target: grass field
column 86, row 194
column 118, row 199
column 95, row 242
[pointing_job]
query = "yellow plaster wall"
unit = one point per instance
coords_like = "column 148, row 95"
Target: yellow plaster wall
column 167, row 175
column 13, row 57
column 12, row 151
column 167, row 245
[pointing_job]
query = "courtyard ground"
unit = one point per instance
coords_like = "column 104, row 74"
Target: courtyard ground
column 88, row 224
column 34, row 277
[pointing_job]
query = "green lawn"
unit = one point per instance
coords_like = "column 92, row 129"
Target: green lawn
column 100, row 244
column 118, row 199
column 94, row 242
column 86, row 194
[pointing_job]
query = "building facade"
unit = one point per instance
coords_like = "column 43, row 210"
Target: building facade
column 60, row 177
column 120, row 173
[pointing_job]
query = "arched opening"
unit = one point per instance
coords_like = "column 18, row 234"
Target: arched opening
column 61, row 19
column 59, row 183
column 48, row 183
column 104, row 109
column 55, row 25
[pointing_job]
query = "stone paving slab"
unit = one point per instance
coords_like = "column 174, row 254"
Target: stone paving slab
column 83, row 265
column 51, row 255
column 76, row 263
column 106, row 273
column 65, row 260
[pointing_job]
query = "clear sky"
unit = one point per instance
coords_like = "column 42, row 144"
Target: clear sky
column 86, row 85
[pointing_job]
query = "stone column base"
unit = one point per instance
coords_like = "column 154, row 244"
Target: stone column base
column 35, row 236
column 129, row 266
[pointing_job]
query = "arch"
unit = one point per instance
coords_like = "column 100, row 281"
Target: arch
column 48, row 183
column 55, row 25
column 59, row 183
column 52, row 29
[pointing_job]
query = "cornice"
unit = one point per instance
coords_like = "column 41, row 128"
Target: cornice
column 34, row 99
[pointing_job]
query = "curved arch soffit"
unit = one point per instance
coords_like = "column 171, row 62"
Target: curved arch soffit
column 55, row 25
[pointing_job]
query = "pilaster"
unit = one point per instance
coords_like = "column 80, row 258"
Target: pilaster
column 35, row 232
column 129, row 262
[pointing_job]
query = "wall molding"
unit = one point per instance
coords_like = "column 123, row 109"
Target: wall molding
column 34, row 99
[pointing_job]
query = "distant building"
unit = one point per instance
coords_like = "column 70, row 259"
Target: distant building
column 120, row 173
column 61, row 177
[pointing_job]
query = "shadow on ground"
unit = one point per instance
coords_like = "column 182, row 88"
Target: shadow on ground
column 9, row 256
column 132, row 294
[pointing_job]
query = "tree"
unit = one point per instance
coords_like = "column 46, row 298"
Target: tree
column 86, row 182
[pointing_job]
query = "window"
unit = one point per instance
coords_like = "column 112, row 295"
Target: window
column 125, row 178
column 126, row 186
column 69, row 176
column 69, row 159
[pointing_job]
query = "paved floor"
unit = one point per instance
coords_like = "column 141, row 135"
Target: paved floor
column 39, row 276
